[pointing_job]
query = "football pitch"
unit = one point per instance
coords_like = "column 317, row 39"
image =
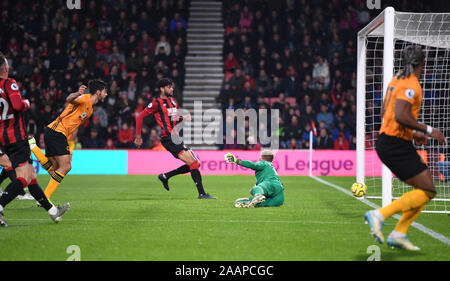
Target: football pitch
column 134, row 218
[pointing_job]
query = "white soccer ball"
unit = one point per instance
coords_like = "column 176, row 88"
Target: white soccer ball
column 359, row 189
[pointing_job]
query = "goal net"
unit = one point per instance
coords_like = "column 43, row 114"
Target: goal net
column 380, row 45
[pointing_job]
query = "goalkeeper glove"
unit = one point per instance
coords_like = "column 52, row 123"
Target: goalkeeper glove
column 230, row 158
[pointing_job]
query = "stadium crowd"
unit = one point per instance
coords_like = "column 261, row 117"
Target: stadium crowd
column 297, row 56
column 52, row 50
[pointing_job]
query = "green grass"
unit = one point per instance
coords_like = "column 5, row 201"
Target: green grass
column 134, row 218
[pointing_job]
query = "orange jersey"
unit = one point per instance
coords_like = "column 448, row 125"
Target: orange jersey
column 407, row 89
column 73, row 116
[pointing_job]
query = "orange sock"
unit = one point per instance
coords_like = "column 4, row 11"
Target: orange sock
column 407, row 218
column 40, row 156
column 53, row 184
column 410, row 200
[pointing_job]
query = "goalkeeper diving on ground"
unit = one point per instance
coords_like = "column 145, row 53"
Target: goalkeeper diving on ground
column 268, row 190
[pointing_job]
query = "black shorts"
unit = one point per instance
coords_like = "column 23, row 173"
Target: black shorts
column 18, row 153
column 55, row 143
column 174, row 149
column 400, row 156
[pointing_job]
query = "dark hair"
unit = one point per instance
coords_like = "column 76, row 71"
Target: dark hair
column 96, row 85
column 163, row 82
column 412, row 56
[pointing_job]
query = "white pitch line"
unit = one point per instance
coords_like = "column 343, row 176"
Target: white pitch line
column 444, row 239
column 193, row 220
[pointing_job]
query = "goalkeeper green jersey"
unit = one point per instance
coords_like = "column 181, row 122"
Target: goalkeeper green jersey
column 264, row 170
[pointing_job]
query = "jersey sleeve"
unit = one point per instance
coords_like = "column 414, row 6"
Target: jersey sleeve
column 150, row 109
column 12, row 90
column 256, row 166
column 82, row 99
column 409, row 94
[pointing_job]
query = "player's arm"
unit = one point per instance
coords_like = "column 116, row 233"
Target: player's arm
column 150, row 109
column 404, row 117
column 73, row 97
column 15, row 97
column 230, row 158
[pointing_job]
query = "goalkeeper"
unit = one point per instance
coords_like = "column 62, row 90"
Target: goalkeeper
column 268, row 191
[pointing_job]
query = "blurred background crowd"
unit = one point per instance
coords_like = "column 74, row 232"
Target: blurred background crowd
column 296, row 56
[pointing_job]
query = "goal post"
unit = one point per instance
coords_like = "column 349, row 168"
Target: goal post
column 380, row 44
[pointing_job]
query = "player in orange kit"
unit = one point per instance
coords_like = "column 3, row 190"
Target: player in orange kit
column 58, row 157
column 395, row 149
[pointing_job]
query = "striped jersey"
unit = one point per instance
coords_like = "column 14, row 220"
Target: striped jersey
column 165, row 112
column 12, row 106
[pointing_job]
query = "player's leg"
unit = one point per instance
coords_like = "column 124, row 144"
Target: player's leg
column 267, row 194
column 8, row 171
column 39, row 195
column 175, row 150
column 402, row 159
column 188, row 157
column 40, row 156
column 58, row 152
column 274, row 194
column 410, row 204
column 62, row 167
column 164, row 178
column 274, row 201
column 12, row 190
column 19, row 157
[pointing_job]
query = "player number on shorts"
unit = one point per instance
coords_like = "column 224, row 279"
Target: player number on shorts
column 5, row 105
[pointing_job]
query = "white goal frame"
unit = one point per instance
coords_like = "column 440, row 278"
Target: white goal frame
column 382, row 26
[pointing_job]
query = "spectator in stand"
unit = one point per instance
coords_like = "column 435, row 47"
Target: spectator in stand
column 247, row 103
column 341, row 142
column 264, row 82
column 153, row 139
column 324, row 141
column 177, row 19
column 125, row 136
column 246, row 18
column 231, row 63
column 306, row 138
column 93, row 141
column 103, row 47
column 337, row 95
column 291, row 82
column 341, row 128
column 321, row 72
column 238, row 80
column 293, row 130
column 295, row 144
column 325, row 116
column 110, row 144
column 163, row 43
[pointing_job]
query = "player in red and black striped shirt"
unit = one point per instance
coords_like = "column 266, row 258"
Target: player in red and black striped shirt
column 165, row 109
column 13, row 143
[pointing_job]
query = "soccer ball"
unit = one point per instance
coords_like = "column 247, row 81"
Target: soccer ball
column 359, row 189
